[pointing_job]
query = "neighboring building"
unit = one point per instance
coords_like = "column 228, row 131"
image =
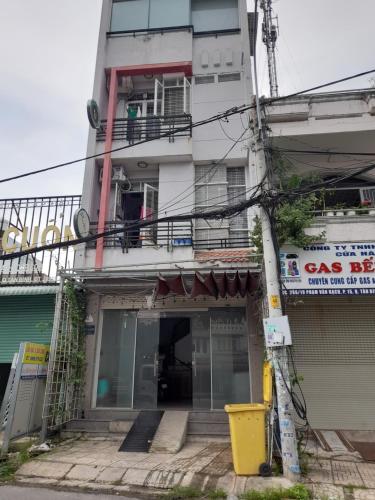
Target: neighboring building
column 166, row 337
column 331, row 306
column 28, row 284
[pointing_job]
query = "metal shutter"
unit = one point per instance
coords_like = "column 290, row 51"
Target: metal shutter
column 334, row 346
column 24, row 318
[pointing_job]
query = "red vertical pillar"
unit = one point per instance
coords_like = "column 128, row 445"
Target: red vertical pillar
column 107, row 167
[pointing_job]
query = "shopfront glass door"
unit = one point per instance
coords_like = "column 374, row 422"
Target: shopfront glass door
column 201, row 360
column 146, row 370
column 230, row 362
column 116, row 359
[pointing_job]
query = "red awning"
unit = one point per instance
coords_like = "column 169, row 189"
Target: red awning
column 212, row 285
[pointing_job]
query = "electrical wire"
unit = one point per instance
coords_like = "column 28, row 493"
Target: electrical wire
column 320, row 153
column 229, row 112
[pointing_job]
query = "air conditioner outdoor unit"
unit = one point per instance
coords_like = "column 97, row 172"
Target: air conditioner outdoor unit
column 118, row 175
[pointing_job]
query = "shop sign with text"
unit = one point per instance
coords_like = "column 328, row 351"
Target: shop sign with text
column 329, row 269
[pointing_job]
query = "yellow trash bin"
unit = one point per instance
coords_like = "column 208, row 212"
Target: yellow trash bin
column 248, row 437
column 247, row 424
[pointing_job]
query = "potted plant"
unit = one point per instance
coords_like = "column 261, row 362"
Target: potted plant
column 365, row 204
column 339, row 209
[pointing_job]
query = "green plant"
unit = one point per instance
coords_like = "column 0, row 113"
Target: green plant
column 183, row 492
column 76, row 298
column 212, row 494
column 10, row 464
column 296, row 492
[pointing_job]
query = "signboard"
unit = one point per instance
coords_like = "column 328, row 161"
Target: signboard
column 35, row 354
column 329, row 269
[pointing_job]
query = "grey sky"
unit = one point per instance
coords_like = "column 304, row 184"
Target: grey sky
column 47, row 58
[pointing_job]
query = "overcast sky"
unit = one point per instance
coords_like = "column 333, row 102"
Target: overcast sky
column 47, row 58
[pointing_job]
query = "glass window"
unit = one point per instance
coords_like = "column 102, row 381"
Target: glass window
column 214, row 15
column 145, row 14
column 167, row 13
column 115, row 379
column 129, row 15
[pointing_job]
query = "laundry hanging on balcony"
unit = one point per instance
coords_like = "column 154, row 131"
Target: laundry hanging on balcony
column 211, row 285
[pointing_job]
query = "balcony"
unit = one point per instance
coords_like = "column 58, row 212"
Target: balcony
column 163, row 235
column 167, row 235
column 148, row 127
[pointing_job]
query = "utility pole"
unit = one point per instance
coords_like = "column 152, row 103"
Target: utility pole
column 278, row 355
column 269, row 36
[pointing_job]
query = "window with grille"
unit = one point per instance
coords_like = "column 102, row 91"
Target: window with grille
column 218, row 185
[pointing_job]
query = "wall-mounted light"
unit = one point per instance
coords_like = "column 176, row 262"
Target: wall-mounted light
column 142, row 164
column 149, row 77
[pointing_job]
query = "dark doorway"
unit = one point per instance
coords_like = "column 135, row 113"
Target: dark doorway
column 175, row 363
column 132, row 203
column 4, row 375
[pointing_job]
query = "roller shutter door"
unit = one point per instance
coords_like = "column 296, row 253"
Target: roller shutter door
column 24, row 318
column 334, row 346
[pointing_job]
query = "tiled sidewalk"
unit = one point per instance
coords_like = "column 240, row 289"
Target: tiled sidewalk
column 96, row 464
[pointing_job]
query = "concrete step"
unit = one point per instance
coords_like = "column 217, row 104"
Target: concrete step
column 204, row 438
column 110, row 414
column 99, row 426
column 209, row 428
column 208, row 416
column 87, row 425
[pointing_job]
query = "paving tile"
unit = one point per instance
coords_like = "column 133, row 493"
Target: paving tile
column 367, row 472
column 50, row 470
column 84, row 472
column 111, row 475
column 346, row 473
column 320, row 471
column 328, row 492
column 359, row 494
column 135, row 477
column 227, row 482
column 163, row 479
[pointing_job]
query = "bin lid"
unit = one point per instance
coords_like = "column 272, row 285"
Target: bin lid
column 267, row 383
column 244, row 407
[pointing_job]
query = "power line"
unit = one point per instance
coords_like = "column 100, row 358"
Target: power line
column 230, row 112
column 212, row 214
column 321, row 153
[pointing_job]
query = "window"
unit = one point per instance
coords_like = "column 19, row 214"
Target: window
column 214, row 15
column 130, row 15
column 229, row 77
column 204, row 79
column 218, row 185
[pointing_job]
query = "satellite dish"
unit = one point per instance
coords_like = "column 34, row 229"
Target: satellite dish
column 93, row 114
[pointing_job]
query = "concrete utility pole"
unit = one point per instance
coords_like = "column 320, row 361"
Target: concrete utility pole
column 278, row 355
column 269, row 36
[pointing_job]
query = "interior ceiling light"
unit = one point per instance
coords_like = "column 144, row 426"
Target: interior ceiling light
column 142, row 164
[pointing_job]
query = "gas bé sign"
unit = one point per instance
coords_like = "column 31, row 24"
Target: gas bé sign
column 329, row 269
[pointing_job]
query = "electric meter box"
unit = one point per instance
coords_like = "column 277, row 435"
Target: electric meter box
column 277, row 331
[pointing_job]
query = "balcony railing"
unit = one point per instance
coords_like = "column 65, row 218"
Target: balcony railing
column 223, row 243
column 148, row 127
column 166, row 234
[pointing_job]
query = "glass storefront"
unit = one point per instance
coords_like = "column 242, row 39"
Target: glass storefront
column 183, row 359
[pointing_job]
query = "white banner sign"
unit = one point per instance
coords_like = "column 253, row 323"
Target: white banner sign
column 329, row 269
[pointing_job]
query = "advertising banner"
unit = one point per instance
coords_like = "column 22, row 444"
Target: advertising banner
column 36, row 354
column 329, row 269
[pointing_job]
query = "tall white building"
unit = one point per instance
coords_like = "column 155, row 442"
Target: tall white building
column 175, row 305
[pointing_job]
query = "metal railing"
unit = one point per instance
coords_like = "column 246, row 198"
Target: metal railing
column 32, row 222
column 223, row 243
column 148, row 127
column 166, row 234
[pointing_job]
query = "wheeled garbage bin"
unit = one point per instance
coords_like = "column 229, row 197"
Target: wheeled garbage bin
column 247, row 424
